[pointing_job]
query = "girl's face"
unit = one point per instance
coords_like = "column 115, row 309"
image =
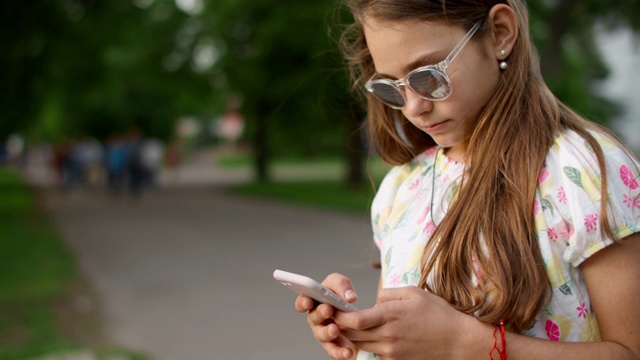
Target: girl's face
column 399, row 47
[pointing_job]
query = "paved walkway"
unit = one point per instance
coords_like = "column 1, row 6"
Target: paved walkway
column 184, row 273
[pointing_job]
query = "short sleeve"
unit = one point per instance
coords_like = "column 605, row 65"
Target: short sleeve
column 385, row 196
column 570, row 183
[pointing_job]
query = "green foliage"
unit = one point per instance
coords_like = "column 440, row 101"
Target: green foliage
column 281, row 59
column 93, row 68
column 78, row 67
column 572, row 64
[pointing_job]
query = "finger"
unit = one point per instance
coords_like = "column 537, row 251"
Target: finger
column 374, row 347
column 304, row 304
column 342, row 286
column 339, row 349
column 327, row 333
column 336, row 345
column 358, row 336
column 320, row 315
column 361, row 320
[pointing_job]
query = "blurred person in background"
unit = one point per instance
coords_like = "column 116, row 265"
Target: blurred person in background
column 152, row 155
column 510, row 225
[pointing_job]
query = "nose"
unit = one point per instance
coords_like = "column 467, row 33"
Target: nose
column 415, row 104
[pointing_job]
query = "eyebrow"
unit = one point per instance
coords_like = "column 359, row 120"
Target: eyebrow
column 427, row 59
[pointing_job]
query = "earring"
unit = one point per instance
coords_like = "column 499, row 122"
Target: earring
column 503, row 64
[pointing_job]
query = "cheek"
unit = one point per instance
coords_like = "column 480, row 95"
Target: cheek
column 477, row 87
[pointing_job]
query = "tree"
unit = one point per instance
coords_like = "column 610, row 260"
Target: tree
column 83, row 67
column 281, row 60
column 564, row 31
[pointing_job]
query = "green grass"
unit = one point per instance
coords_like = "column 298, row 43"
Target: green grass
column 35, row 268
column 236, row 160
column 329, row 194
column 37, row 271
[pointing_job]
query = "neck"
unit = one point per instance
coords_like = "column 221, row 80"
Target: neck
column 456, row 152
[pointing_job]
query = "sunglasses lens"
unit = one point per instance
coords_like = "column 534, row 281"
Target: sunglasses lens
column 430, row 84
column 388, row 94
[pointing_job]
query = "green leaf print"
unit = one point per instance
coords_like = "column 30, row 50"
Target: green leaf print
column 573, row 174
column 412, row 277
column 387, row 257
column 547, row 205
column 565, row 289
column 426, row 171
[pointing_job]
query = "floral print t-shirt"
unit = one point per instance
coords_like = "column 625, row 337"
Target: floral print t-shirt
column 413, row 199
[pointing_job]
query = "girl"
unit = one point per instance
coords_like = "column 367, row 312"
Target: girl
column 510, row 225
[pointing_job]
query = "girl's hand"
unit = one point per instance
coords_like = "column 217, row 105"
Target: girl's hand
column 409, row 323
column 321, row 321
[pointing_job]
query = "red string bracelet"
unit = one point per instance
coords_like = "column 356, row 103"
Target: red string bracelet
column 502, row 353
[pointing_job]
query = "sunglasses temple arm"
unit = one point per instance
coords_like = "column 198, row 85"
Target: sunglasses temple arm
column 460, row 45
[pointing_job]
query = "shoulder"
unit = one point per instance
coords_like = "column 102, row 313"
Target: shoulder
column 404, row 174
column 573, row 162
column 570, row 190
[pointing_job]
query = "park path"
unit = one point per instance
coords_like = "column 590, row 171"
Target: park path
column 184, row 272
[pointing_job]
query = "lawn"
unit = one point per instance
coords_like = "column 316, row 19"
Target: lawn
column 326, row 194
column 317, row 183
column 35, row 268
column 38, row 280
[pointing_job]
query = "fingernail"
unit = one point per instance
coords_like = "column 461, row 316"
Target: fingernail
column 350, row 295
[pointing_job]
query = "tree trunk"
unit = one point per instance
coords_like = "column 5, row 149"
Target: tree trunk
column 261, row 144
column 356, row 149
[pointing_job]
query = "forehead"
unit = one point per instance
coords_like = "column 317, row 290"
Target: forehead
column 397, row 47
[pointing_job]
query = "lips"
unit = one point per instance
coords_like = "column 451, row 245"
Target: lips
column 435, row 127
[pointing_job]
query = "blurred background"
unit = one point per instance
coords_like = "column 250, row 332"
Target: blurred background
column 160, row 158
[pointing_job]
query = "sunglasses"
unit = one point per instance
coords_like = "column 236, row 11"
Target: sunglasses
column 430, row 82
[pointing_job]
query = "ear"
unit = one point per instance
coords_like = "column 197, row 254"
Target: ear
column 504, row 30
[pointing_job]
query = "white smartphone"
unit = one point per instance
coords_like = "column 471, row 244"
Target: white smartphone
column 306, row 286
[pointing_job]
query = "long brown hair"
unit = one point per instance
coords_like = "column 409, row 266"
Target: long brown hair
column 505, row 154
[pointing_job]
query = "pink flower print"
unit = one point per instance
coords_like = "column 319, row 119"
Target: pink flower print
column 553, row 330
column 627, row 177
column 562, row 195
column 431, row 150
column 536, row 207
column 582, row 310
column 544, row 175
column 591, row 222
column 423, row 216
column 414, row 185
column 394, row 280
column 631, row 201
column 551, row 233
column 567, row 231
column 429, row 228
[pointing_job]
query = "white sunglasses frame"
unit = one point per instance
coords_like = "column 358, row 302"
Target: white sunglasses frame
column 439, row 68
